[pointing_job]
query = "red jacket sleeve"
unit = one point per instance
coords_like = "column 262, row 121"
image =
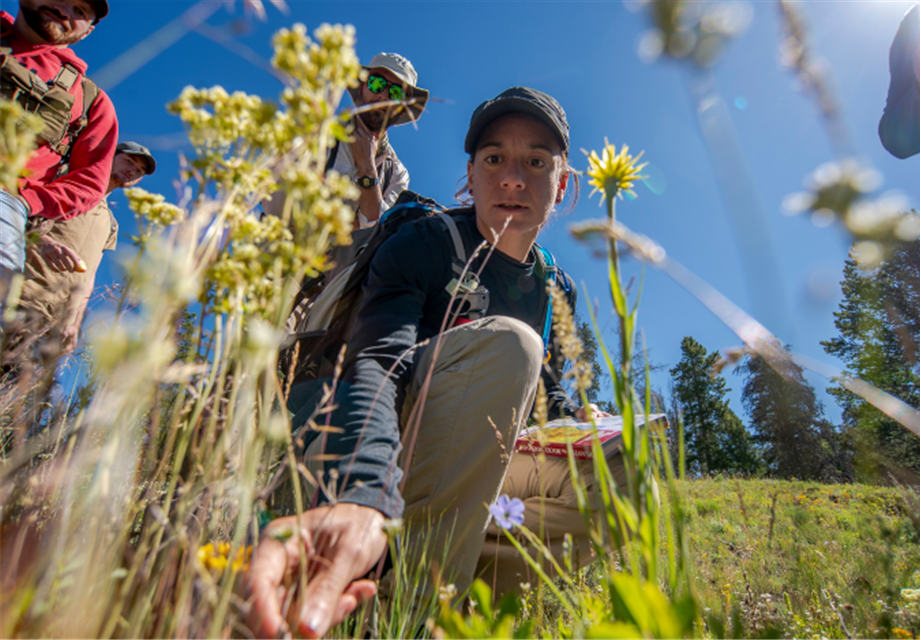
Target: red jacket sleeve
column 86, row 183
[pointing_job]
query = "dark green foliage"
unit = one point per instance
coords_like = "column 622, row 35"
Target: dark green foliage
column 736, row 446
column 715, row 438
column 877, row 339
column 786, row 418
column 590, row 354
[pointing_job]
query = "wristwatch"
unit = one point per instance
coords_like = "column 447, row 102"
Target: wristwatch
column 367, row 182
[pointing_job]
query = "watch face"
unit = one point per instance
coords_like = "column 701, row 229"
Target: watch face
column 366, row 182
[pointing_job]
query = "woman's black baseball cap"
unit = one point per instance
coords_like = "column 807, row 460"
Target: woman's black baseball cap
column 519, row 100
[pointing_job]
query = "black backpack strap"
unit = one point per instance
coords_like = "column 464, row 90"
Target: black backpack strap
column 388, row 173
column 331, row 158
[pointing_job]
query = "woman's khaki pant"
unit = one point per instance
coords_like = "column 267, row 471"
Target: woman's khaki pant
column 474, row 394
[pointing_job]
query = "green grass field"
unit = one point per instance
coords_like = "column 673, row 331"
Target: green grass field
column 792, row 559
column 804, row 558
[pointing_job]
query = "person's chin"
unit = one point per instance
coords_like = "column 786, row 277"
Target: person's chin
column 374, row 120
column 513, row 220
column 53, row 31
column 517, row 213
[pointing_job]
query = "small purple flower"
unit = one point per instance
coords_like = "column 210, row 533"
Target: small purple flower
column 507, row 511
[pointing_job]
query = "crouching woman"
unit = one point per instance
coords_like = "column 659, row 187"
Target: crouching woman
column 441, row 404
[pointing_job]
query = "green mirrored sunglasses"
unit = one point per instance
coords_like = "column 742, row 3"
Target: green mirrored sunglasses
column 377, row 84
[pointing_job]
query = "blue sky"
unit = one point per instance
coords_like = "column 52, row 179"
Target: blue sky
column 584, row 54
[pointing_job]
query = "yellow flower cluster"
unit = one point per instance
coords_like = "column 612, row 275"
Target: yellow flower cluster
column 570, row 345
column 217, row 558
column 613, row 174
column 17, row 141
column 247, row 148
column 153, row 207
column 260, row 252
column 330, row 62
column 227, row 130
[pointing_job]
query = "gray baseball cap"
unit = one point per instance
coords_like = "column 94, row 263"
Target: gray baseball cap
column 519, row 100
column 135, row 149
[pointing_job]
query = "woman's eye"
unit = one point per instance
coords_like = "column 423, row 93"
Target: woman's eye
column 492, row 159
column 538, row 163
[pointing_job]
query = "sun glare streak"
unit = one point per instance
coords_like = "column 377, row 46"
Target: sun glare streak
column 756, row 337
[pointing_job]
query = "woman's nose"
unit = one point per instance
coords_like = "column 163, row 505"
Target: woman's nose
column 513, row 177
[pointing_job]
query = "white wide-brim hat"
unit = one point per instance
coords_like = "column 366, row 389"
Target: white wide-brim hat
column 402, row 69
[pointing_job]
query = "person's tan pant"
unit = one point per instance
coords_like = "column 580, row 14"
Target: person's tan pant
column 481, row 388
column 551, row 511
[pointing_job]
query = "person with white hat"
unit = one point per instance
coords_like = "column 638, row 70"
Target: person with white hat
column 369, row 160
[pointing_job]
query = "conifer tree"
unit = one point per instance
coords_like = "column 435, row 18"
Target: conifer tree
column 590, row 354
column 877, row 340
column 786, row 418
column 714, row 436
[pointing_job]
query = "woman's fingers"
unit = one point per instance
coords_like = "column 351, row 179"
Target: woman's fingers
column 362, row 590
column 347, row 604
column 321, row 604
column 349, row 539
column 267, row 571
column 340, row 544
column 355, row 594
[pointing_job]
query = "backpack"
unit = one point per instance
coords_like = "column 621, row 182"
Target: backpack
column 52, row 102
column 326, row 306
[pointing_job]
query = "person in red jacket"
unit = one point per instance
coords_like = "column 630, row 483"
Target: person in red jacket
column 67, row 177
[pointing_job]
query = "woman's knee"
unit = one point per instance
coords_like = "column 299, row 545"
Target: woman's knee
column 519, row 344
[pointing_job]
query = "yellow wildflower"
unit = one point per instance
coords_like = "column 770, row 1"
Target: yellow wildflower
column 614, row 173
column 217, row 557
column 153, row 207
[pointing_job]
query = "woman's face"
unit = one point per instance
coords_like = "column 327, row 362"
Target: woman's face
column 517, row 175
